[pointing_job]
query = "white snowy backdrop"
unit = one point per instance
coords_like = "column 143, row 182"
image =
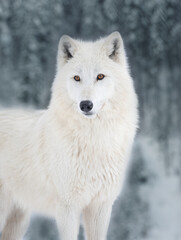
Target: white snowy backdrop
column 150, row 205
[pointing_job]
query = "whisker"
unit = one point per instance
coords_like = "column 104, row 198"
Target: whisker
column 98, row 116
column 70, row 106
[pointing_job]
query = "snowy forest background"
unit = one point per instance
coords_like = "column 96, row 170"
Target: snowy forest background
column 150, row 205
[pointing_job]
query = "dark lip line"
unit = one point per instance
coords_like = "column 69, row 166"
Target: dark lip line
column 88, row 114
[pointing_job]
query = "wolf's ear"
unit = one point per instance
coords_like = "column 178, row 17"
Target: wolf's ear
column 66, row 49
column 115, row 47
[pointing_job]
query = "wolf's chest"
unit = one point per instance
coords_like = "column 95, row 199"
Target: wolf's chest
column 88, row 165
column 90, row 175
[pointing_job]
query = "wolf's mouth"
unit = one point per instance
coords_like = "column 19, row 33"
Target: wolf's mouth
column 89, row 115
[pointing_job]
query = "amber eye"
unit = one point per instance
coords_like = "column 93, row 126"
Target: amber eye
column 77, row 78
column 100, row 76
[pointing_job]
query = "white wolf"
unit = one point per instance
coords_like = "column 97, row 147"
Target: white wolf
column 70, row 159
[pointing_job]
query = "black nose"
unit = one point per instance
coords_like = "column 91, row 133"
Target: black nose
column 86, row 106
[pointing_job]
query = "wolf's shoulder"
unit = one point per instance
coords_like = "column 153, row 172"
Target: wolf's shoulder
column 19, row 114
column 18, row 118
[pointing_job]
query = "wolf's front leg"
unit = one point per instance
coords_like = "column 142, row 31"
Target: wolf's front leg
column 96, row 220
column 68, row 224
column 16, row 225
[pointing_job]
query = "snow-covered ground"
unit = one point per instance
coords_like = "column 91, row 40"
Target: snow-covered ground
column 149, row 207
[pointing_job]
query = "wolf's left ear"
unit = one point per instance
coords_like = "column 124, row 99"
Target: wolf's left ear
column 66, row 49
column 115, row 48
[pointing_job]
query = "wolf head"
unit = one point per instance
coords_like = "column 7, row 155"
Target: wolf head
column 89, row 75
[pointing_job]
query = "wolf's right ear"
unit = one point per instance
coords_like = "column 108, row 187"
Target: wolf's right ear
column 66, row 49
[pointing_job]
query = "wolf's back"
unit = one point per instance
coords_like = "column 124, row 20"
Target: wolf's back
column 15, row 123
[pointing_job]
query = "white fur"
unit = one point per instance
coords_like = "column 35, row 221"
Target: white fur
column 60, row 162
